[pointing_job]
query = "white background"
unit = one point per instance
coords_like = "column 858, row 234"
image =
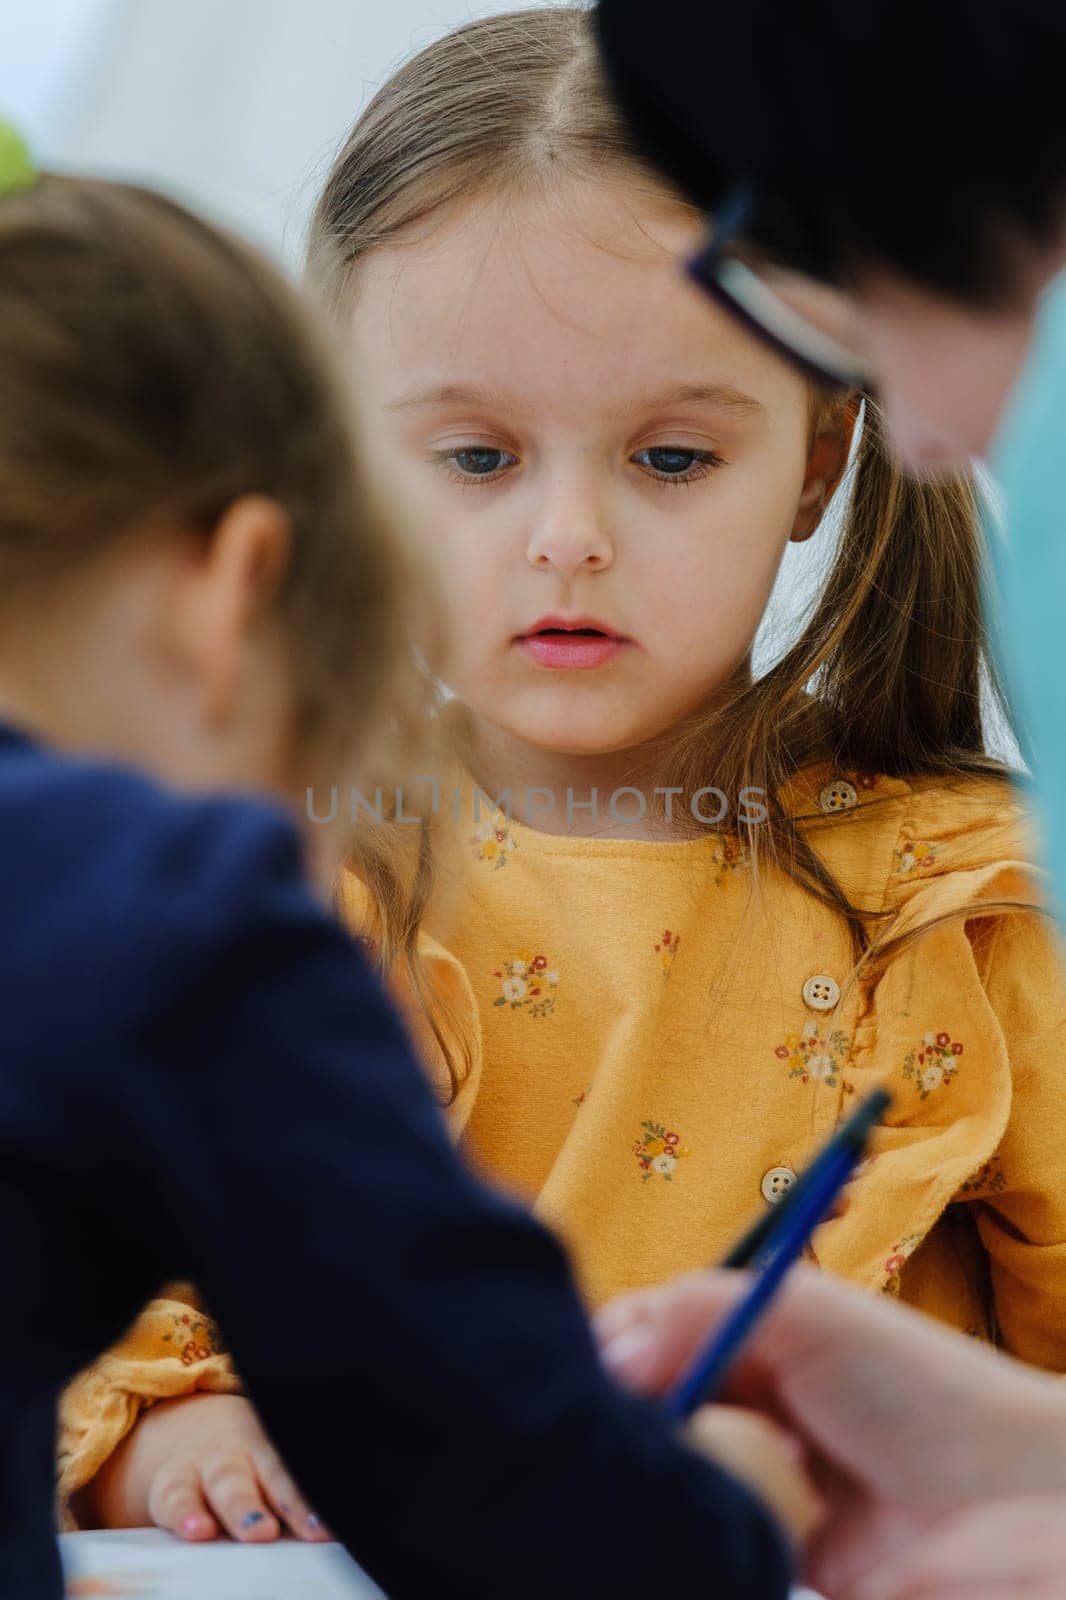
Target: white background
column 236, row 106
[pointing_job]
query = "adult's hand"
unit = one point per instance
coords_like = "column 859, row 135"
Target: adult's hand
column 1013, row 1549
column 906, row 1422
column 765, row 1458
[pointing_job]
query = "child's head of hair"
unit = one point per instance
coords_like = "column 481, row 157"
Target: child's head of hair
column 182, row 511
column 511, row 112
column 501, row 104
column 502, row 126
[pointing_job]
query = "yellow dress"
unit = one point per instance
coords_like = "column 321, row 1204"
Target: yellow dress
column 657, row 1042
column 172, row 1349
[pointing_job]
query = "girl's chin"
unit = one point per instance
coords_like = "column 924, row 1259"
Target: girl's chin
column 572, row 719
column 574, row 736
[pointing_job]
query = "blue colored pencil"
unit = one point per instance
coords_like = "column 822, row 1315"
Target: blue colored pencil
column 774, row 1247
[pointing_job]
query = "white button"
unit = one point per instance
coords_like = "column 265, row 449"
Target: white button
column 821, row 992
column 838, row 795
column 776, row 1184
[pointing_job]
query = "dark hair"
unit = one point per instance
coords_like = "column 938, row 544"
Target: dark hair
column 926, row 136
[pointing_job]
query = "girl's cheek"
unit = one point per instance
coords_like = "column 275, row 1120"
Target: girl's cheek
column 474, row 606
column 712, row 601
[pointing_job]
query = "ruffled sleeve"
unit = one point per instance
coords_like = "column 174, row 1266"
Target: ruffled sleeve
column 172, row 1349
column 456, row 1010
column 1020, row 1198
column 965, row 1026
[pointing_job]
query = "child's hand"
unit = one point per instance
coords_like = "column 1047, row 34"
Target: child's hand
column 769, row 1461
column 199, row 1466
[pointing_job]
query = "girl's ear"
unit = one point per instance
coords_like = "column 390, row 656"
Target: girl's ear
column 227, row 584
column 826, row 460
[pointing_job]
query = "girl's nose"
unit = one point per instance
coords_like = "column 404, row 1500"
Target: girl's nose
column 569, row 536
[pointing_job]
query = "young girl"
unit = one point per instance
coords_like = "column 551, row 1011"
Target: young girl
column 646, row 1023
column 709, row 905
column 198, row 1075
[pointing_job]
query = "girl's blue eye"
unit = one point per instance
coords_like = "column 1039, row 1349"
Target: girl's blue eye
column 673, row 464
column 479, row 461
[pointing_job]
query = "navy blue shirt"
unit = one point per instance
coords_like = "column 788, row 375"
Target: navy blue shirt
column 201, row 1079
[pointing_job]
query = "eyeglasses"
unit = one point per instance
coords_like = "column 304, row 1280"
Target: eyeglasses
column 811, row 324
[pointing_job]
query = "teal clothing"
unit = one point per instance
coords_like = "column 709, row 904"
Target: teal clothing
column 1029, row 462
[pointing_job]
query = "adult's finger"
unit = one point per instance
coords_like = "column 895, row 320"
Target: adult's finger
column 176, row 1502
column 647, row 1338
column 1015, row 1546
column 765, row 1458
column 993, row 1591
column 840, row 1367
column 285, row 1498
column 234, row 1494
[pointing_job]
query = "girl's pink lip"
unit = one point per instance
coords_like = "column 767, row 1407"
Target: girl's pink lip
column 556, row 624
column 582, row 650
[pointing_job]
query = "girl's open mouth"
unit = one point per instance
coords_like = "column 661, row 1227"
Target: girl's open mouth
column 580, row 642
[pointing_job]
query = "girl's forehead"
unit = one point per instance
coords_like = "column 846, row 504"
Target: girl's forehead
column 588, row 285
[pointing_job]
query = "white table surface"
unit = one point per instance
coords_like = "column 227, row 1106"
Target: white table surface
column 145, row 1564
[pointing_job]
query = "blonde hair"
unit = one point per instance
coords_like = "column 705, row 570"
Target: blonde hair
column 498, row 104
column 887, row 673
column 152, row 371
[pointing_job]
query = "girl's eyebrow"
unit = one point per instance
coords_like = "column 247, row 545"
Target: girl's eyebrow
column 721, row 396
column 454, row 394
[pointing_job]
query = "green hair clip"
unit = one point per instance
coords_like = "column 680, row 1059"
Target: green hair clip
column 17, row 170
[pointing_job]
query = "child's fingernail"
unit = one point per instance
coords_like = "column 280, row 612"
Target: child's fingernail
column 250, row 1518
column 314, row 1522
column 628, row 1355
column 193, row 1525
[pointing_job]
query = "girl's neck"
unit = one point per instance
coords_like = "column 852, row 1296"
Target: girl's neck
column 559, row 793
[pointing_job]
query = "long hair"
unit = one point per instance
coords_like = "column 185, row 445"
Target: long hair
column 887, row 673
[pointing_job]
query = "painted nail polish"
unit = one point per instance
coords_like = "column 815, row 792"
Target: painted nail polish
column 315, row 1523
column 250, row 1518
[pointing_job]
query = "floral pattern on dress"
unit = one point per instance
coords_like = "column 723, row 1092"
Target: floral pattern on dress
column 934, row 1065
column 493, row 840
column 526, row 984
column 666, row 949
column 730, row 857
column 914, row 853
column 989, row 1179
column 198, row 1336
column 658, row 1151
column 897, row 1260
column 811, row 1058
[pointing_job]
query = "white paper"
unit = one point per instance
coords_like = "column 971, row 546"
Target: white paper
column 146, row 1564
